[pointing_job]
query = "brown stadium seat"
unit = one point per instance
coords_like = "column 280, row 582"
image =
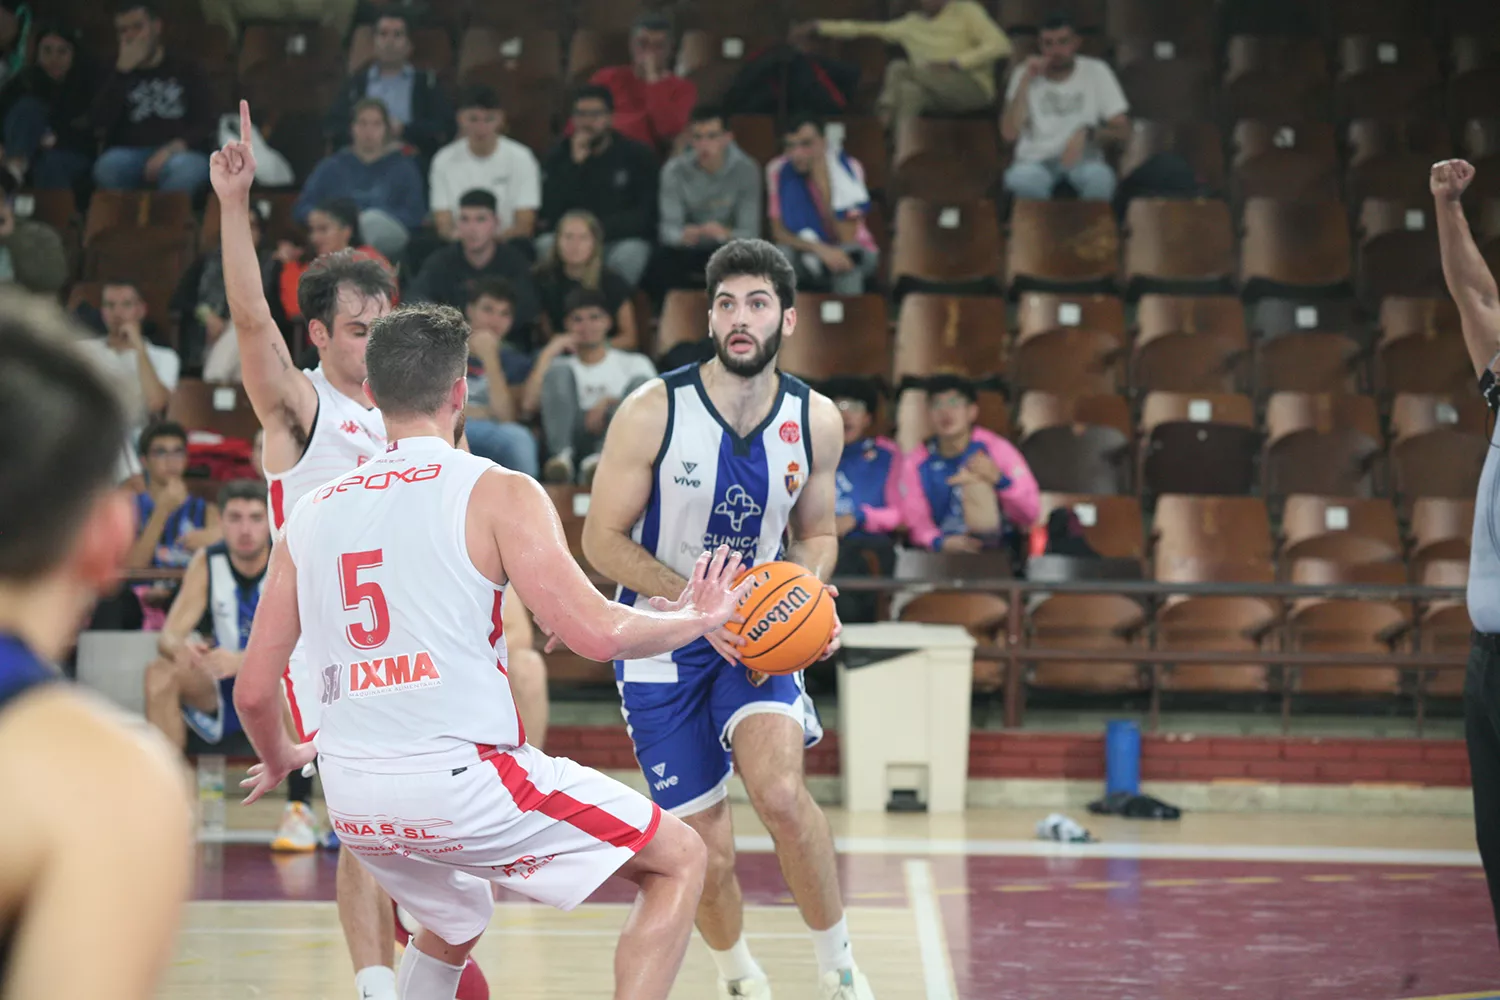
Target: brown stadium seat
column 608, row 15
column 1112, row 525
column 222, row 409
column 1049, row 325
column 1228, row 530
column 756, row 136
column 1391, row 159
column 1378, row 17
column 516, row 18
column 1292, row 247
column 276, row 206
column 838, row 335
column 711, row 56
column 1076, row 444
column 1062, row 245
column 1320, row 443
column 1444, row 626
column 150, row 254
column 529, row 55
column 594, row 47
column 1438, row 446
column 1334, row 625
column 1348, row 530
column 1386, row 76
column 1201, row 443
column 1177, row 247
column 684, row 319
column 946, row 247
column 278, row 62
column 1092, row 622
column 1398, row 250
column 1275, row 78
column 1027, row 16
column 122, row 213
column 1273, row 316
column 1164, row 80
column 1421, row 348
column 1441, row 528
column 432, row 49
column 1287, row 159
column 1319, row 361
column 1463, row 17
column 983, row 615
column 946, row 157
column 966, row 333
column 1184, row 22
column 57, row 208
column 1474, row 85
column 1185, row 344
column 1196, row 142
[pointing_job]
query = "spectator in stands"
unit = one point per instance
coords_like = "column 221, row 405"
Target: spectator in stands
column 868, row 507
column 377, row 176
column 1060, row 110
column 484, row 158
column 598, row 170
column 45, row 113
column 576, row 260
column 332, row 226
column 173, row 523
column 494, row 366
column 967, row 488
column 577, row 385
column 32, row 254
column 335, row 14
column 651, row 103
column 205, row 333
column 816, row 200
column 448, row 274
column 145, row 373
column 710, row 194
column 420, row 114
column 203, row 639
column 155, row 112
column 951, row 50
column 16, row 21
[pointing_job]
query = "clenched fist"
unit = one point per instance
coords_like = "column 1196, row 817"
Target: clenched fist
column 1449, row 178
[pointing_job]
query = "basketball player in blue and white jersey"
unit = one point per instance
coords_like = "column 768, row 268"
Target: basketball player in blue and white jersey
column 729, row 452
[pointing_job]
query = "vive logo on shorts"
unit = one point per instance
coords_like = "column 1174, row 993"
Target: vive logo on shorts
column 779, row 612
column 664, row 783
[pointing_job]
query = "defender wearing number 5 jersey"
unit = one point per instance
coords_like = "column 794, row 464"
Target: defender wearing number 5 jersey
column 731, row 452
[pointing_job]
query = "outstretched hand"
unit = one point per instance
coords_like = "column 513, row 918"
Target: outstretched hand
column 232, row 169
column 266, row 775
column 1449, row 178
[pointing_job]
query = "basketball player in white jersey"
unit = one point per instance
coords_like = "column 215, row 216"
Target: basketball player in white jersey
column 393, row 576
column 729, row 452
column 318, row 424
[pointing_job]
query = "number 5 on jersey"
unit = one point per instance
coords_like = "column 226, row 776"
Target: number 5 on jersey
column 357, row 595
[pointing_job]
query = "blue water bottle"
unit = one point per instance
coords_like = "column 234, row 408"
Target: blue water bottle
column 1122, row 757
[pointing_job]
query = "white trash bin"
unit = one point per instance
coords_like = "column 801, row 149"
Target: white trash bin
column 904, row 691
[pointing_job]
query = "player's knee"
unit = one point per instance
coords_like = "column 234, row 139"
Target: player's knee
column 678, row 850
column 161, row 678
column 778, row 801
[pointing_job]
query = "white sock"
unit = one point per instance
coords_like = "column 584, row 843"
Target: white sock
column 833, row 948
column 423, row 977
column 737, row 963
column 376, row 982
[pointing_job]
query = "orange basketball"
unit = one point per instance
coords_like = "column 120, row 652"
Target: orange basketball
column 788, row 619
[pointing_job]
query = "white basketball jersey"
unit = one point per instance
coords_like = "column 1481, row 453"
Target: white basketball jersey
column 345, row 435
column 402, row 633
column 714, row 487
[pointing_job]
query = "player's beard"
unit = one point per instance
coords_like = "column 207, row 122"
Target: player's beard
column 755, row 363
column 458, row 428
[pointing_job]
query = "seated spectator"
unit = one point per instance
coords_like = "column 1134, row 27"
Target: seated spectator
column 32, row 254
column 155, row 112
column 968, row 488
column 483, row 158
column 205, row 333
column 816, row 200
column 578, row 381
column 377, row 176
column 576, row 260
column 710, row 194
column 651, row 103
column 45, row 113
column 448, row 274
column 868, row 507
column 419, row 112
column 145, row 373
column 332, row 226
column 1060, row 110
column 173, row 523
column 600, row 171
column 951, row 50
column 202, row 641
column 494, row 366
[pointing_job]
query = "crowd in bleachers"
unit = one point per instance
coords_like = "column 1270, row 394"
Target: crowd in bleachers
column 1093, row 259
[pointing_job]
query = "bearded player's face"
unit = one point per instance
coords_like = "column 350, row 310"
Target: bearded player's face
column 746, row 321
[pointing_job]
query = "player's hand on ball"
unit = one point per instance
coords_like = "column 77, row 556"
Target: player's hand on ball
column 232, row 169
column 714, row 594
column 266, row 775
column 1449, row 178
column 834, row 643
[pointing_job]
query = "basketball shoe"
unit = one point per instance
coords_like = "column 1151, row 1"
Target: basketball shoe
column 845, row 984
column 298, row 830
column 748, row 988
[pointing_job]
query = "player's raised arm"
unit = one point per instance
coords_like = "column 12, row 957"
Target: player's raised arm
column 624, row 478
column 533, row 554
column 1469, row 279
column 275, row 385
column 815, row 537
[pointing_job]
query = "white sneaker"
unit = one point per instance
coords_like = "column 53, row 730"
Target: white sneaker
column 559, row 468
column 298, row 830
column 744, row 989
column 845, row 984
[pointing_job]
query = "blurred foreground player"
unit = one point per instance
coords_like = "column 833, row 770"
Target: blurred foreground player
column 70, row 768
column 394, row 577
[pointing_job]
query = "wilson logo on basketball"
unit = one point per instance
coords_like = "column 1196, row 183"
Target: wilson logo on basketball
column 779, row 613
column 392, row 673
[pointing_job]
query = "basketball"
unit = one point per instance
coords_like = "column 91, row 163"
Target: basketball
column 788, row 618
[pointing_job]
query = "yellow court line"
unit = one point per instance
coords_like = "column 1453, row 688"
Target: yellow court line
column 1253, row 880
column 1023, row 888
column 1408, row 876
column 1328, row 878
column 1172, row 883
column 1099, row 885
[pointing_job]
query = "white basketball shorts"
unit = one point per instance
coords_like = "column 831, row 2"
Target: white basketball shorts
column 546, row 827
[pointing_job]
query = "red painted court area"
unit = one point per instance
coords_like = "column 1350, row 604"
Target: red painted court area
column 1037, row 928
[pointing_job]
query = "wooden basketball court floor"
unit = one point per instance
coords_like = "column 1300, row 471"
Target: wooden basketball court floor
column 1303, row 907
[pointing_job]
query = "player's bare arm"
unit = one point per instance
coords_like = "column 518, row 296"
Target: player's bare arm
column 109, row 863
column 1469, row 279
column 516, row 535
column 187, row 607
column 624, row 478
column 281, row 394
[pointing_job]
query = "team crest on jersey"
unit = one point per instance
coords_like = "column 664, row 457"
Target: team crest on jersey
column 349, row 427
column 790, row 432
column 793, row 477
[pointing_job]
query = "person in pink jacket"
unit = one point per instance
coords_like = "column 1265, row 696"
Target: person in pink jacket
column 868, row 506
column 967, row 488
